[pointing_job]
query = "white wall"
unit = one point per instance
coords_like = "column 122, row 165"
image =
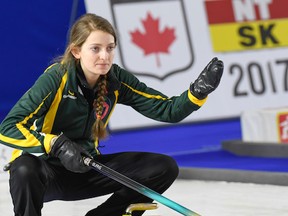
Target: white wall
column 255, row 74
column 5, row 154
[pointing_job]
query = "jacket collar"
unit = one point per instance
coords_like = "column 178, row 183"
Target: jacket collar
column 113, row 82
column 81, row 77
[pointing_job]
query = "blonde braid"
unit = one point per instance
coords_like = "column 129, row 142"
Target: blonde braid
column 98, row 129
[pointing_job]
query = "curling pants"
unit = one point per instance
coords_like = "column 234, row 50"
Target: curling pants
column 34, row 181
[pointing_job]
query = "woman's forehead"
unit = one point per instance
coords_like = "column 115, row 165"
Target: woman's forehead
column 100, row 37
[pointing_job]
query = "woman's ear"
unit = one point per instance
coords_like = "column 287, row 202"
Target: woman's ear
column 75, row 51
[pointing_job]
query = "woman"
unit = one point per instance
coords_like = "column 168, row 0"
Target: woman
column 64, row 115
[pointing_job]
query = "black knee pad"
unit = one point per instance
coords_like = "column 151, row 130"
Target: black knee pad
column 158, row 168
column 26, row 166
column 168, row 166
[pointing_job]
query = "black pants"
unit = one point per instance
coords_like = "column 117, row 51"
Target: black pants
column 34, row 181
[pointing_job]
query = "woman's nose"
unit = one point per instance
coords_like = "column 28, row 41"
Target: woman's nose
column 103, row 54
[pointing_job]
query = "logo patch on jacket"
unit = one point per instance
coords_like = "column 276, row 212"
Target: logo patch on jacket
column 106, row 108
column 70, row 95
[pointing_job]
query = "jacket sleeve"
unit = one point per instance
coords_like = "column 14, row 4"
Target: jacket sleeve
column 19, row 129
column 152, row 103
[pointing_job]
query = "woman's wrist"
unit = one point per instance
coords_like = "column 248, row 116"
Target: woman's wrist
column 53, row 141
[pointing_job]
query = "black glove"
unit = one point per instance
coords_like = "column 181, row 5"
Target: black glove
column 70, row 154
column 208, row 80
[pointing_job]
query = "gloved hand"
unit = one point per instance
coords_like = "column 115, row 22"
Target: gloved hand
column 70, row 154
column 208, row 80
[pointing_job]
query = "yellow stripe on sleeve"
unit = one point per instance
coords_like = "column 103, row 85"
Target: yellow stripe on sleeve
column 50, row 116
column 195, row 100
column 159, row 97
column 31, row 140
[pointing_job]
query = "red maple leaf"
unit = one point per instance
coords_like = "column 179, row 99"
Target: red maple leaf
column 153, row 41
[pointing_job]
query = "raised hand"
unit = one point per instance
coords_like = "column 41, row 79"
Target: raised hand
column 208, row 80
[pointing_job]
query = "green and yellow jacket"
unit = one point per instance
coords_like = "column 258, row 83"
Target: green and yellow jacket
column 56, row 104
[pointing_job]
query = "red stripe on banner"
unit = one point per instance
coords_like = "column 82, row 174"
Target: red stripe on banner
column 279, row 9
column 219, row 11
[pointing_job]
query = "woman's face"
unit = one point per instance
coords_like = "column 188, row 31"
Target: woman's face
column 96, row 55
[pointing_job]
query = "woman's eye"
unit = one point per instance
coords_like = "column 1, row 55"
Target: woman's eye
column 111, row 48
column 95, row 49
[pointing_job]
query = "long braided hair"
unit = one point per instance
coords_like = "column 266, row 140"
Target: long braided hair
column 98, row 128
column 79, row 32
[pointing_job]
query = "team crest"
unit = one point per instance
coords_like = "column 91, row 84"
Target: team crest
column 106, row 108
column 153, row 42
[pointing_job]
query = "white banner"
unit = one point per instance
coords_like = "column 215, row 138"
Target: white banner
column 265, row 126
column 167, row 43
